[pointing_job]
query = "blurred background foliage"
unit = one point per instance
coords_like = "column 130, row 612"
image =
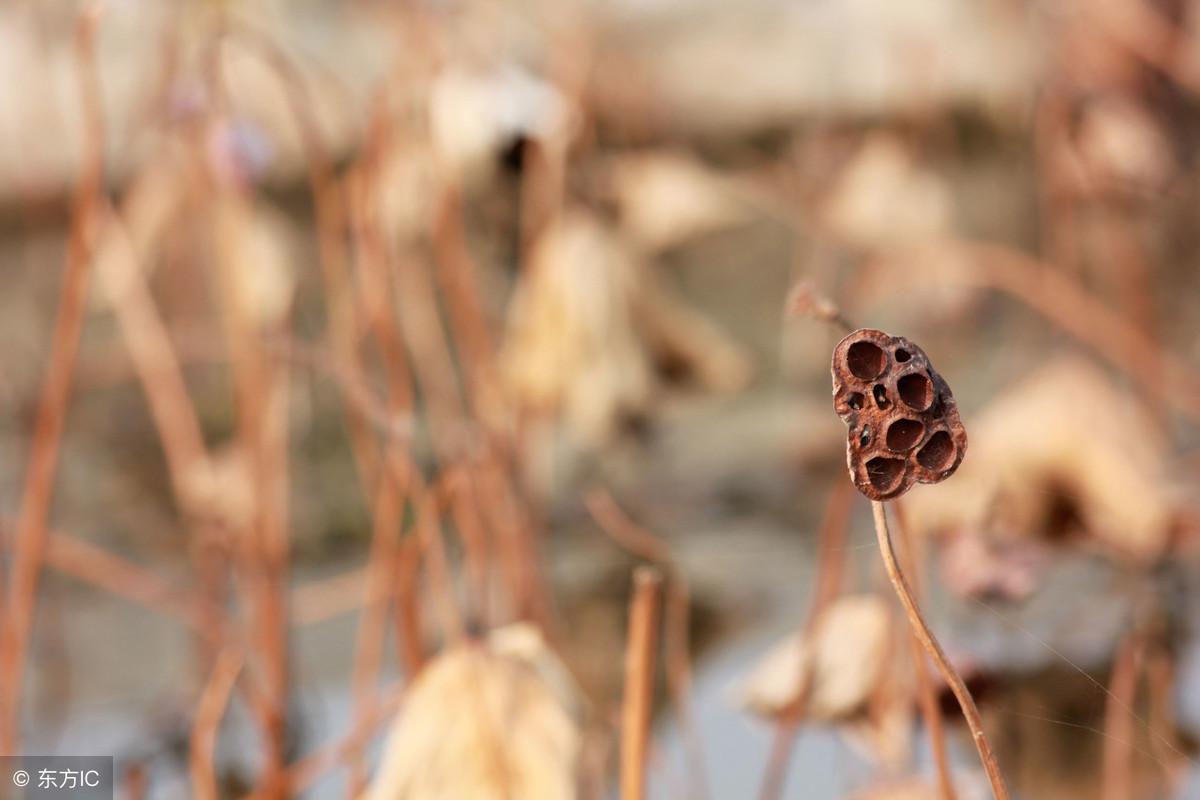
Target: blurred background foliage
column 405, row 330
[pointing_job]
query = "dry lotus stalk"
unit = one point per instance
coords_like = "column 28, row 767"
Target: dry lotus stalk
column 903, row 422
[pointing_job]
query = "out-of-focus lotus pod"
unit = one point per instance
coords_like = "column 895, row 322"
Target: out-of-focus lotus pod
column 1062, row 454
column 884, row 199
column 847, row 667
column 485, row 720
column 473, row 115
column 667, row 199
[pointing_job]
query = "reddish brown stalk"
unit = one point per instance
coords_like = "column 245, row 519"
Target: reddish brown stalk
column 325, row 599
column 329, row 202
column 122, row 578
column 921, row 629
column 931, row 710
column 473, row 533
column 428, row 532
column 463, row 304
column 260, row 389
column 372, row 629
column 1119, row 718
column 387, row 507
column 210, row 709
column 676, row 656
column 30, row 534
column 640, row 650
column 305, row 772
column 408, row 608
column 513, row 537
column 157, row 366
column 1160, row 682
column 148, row 341
column 831, row 556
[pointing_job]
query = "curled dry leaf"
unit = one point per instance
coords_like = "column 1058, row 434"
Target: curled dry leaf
column 1061, row 454
column 485, row 721
column 572, row 345
column 847, row 667
column 590, row 332
column 666, row 199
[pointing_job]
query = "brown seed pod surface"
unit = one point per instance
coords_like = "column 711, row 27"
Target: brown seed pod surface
column 903, row 421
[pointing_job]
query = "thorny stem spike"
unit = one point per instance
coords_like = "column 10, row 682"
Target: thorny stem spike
column 921, row 628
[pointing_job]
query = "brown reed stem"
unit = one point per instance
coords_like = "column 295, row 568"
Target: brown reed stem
column 640, row 650
column 931, row 712
column 303, row 773
column 1119, row 717
column 676, row 656
column 209, row 711
column 29, row 541
column 123, row 578
column 922, row 631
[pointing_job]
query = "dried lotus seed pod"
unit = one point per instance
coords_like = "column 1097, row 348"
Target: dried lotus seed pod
column 903, row 421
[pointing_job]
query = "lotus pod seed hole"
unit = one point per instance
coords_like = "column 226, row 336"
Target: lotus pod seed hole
column 881, row 398
column 865, row 360
column 856, row 401
column 916, row 391
column 903, row 435
column 938, row 453
column 864, row 438
column 902, row 355
column 885, row 474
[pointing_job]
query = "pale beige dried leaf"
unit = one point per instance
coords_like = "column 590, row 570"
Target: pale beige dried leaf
column 485, row 721
column 845, row 658
column 589, row 328
column 572, row 346
column 1062, row 443
column 883, row 198
column 665, row 199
